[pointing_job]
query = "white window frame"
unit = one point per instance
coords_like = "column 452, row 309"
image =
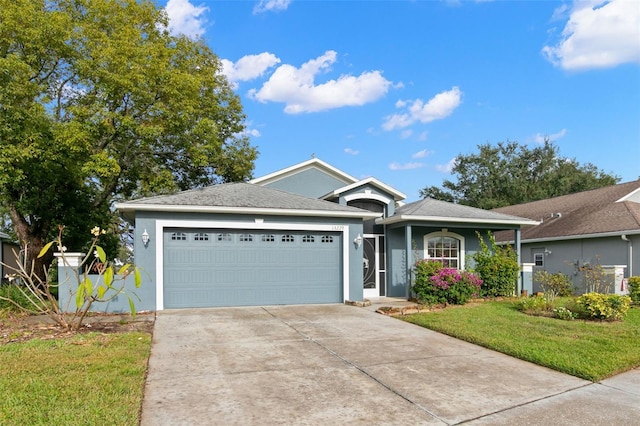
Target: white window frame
column 461, row 247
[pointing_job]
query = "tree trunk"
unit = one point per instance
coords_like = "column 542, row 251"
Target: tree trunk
column 31, row 245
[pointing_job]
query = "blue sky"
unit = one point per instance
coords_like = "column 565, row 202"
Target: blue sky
column 397, row 89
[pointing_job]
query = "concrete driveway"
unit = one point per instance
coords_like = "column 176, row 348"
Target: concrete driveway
column 338, row 364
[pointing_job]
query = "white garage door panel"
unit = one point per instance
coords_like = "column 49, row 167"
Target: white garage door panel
column 272, row 268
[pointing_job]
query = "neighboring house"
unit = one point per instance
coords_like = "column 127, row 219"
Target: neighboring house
column 9, row 255
column 310, row 233
column 598, row 226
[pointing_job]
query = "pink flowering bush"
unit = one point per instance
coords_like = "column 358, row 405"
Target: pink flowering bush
column 436, row 285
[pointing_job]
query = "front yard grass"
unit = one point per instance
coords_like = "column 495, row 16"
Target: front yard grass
column 590, row 350
column 84, row 379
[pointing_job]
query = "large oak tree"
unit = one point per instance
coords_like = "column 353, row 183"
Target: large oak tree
column 99, row 102
column 510, row 173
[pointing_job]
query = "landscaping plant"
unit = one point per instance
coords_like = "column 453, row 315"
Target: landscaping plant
column 554, row 285
column 634, row 289
column 438, row 285
column 610, row 307
column 497, row 266
column 38, row 295
column 595, row 279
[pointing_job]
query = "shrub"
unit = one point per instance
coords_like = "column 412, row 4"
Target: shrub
column 534, row 305
column 564, row 314
column 554, row 285
column 608, row 307
column 12, row 299
column 435, row 284
column 595, row 278
column 634, row 289
column 497, row 266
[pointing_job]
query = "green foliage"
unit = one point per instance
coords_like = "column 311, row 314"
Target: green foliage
column 39, row 295
column 438, row 285
column 534, row 305
column 99, row 103
column 554, row 285
column 12, row 298
column 497, row 266
column 510, row 173
column 564, row 314
column 610, row 307
column 634, row 289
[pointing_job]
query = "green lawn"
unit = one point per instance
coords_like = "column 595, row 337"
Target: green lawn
column 586, row 349
column 87, row 379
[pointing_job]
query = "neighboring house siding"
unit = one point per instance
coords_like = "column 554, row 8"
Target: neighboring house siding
column 311, row 183
column 568, row 255
column 8, row 256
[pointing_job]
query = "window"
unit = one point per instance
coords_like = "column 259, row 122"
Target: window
column 308, row 239
column 224, row 237
column 538, row 259
column 201, row 237
column 178, row 236
column 245, row 238
column 268, row 238
column 326, row 239
column 288, row 238
column 445, row 247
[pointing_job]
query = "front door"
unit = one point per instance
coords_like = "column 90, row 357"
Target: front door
column 373, row 266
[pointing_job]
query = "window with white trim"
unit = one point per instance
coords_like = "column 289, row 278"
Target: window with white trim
column 308, row 239
column 200, row 236
column 245, row 238
column 538, row 259
column 326, row 239
column 446, row 247
column 268, row 238
column 178, row 236
column 288, row 238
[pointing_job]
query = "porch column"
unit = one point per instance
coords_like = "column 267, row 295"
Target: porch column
column 519, row 255
column 408, row 250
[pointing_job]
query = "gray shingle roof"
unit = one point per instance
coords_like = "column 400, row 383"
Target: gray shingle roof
column 584, row 213
column 238, row 196
column 431, row 209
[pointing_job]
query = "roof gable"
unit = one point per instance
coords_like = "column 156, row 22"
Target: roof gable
column 611, row 209
column 313, row 163
column 368, row 182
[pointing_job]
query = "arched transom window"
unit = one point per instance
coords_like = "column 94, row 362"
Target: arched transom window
column 446, row 247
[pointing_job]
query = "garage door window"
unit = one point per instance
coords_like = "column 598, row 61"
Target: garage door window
column 224, row 237
column 288, row 238
column 308, row 239
column 246, row 238
column 327, row 239
column 178, row 236
column 200, row 237
column 270, row 238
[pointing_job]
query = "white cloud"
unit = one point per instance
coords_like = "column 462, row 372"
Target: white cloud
column 423, row 136
column 405, row 166
column 271, row 6
column 540, row 138
column 422, row 154
column 446, row 168
column 296, row 87
column 406, row 134
column 599, row 34
column 185, row 18
column 351, row 151
column 248, row 67
column 440, row 106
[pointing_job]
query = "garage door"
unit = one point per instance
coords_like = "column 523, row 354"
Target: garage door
column 221, row 267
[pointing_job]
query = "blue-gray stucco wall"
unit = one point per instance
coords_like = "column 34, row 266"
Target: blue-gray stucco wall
column 312, row 183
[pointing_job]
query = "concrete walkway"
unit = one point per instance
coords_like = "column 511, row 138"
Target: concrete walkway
column 337, row 364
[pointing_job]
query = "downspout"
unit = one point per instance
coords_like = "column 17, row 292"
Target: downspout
column 519, row 256
column 408, row 248
column 630, row 244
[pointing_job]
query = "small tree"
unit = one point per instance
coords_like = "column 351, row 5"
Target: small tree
column 554, row 285
column 634, row 289
column 38, row 294
column 595, row 278
column 497, row 266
